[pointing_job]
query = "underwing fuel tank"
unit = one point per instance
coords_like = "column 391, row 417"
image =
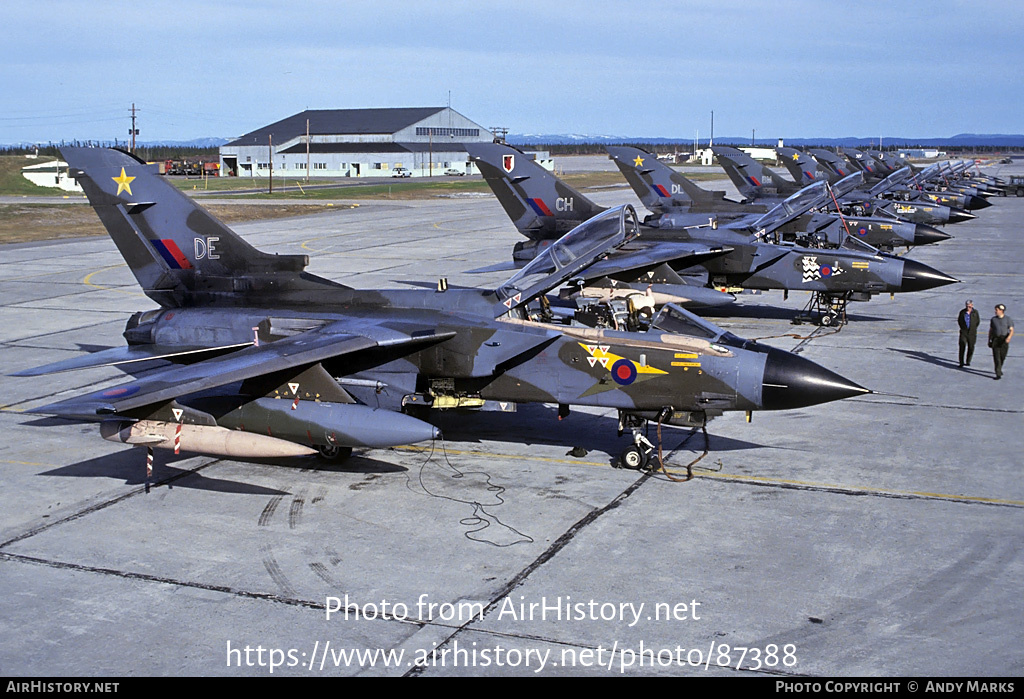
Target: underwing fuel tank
column 201, row 439
column 328, row 424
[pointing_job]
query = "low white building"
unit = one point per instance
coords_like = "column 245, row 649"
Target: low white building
column 51, row 174
column 356, row 143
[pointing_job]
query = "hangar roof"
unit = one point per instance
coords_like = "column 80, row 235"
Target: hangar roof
column 338, row 121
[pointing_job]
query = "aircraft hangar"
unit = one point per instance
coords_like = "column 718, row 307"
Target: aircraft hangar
column 356, row 143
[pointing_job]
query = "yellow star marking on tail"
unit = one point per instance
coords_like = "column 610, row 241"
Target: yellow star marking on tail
column 123, row 182
column 796, row 156
column 638, row 161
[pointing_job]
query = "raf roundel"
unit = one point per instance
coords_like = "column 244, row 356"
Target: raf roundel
column 826, row 271
column 624, row 372
column 120, row 391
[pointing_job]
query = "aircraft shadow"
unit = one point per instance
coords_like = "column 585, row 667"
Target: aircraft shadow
column 130, row 466
column 538, row 424
column 768, row 312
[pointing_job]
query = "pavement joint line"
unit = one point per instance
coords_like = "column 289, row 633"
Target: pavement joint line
column 550, row 552
column 763, row 480
column 856, row 490
column 308, row 604
column 64, row 330
column 1009, row 411
column 560, row 543
column 96, row 507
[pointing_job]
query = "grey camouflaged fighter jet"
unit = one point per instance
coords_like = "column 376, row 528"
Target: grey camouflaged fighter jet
column 262, row 359
column 665, row 190
column 540, row 204
column 757, row 182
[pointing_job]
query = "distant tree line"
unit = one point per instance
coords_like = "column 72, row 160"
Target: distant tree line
column 687, row 146
column 148, row 153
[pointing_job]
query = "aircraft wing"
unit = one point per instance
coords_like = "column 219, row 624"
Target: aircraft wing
column 299, row 350
column 633, row 260
column 125, row 355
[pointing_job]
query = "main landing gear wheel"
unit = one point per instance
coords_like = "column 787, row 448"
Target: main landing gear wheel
column 332, row 452
column 826, row 320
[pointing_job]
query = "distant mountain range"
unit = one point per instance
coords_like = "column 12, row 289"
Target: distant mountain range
column 959, row 141
column 964, row 140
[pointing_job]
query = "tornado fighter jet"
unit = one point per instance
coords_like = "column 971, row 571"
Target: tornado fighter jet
column 663, row 190
column 539, row 204
column 756, row 182
column 260, row 358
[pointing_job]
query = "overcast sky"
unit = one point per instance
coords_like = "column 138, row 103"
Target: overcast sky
column 788, row 68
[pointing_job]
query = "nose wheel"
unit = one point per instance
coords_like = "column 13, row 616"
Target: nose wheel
column 827, row 310
column 639, row 455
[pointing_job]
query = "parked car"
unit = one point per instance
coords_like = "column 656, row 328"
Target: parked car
column 401, row 172
column 454, row 172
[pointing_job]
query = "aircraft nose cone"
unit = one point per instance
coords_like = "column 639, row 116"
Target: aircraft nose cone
column 790, row 381
column 925, row 234
column 974, row 203
column 959, row 215
column 918, row 277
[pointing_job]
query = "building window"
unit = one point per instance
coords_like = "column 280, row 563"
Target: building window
column 319, row 166
column 445, row 131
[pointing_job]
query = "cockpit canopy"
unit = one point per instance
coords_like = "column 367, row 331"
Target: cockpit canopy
column 796, row 205
column 572, row 253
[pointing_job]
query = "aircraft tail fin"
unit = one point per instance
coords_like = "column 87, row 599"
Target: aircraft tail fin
column 177, row 250
column 540, row 205
column 752, row 179
column 657, row 185
column 804, row 169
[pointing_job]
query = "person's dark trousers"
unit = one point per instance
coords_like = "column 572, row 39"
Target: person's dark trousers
column 998, row 356
column 968, row 344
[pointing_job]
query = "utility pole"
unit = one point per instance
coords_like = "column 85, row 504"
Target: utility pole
column 712, row 141
column 133, row 132
column 271, row 142
column 753, row 132
column 307, row 150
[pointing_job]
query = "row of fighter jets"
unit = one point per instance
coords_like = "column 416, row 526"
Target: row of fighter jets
column 831, row 234
column 247, row 355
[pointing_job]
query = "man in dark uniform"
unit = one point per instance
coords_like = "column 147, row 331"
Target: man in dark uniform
column 968, row 320
column 1000, row 332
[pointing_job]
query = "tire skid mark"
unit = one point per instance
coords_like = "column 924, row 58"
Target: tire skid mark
column 268, row 511
column 276, row 574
